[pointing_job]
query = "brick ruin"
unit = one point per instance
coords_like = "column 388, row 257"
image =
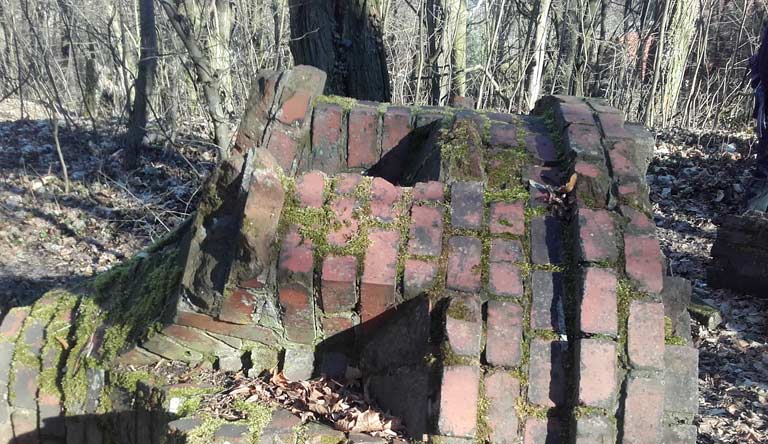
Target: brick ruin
column 442, row 251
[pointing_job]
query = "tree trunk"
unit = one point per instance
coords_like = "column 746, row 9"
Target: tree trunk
column 537, row 59
column 144, row 85
column 220, row 35
column 447, row 31
column 682, row 27
column 344, row 39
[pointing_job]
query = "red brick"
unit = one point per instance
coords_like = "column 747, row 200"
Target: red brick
column 282, row 146
column 396, row 127
column 207, row 323
column 346, row 183
column 431, row 190
column 638, row 222
column 505, row 333
column 309, row 189
column 628, row 190
column 426, row 232
column 597, row 374
column 612, row 125
column 547, row 381
column 507, row 218
column 643, row 260
column 137, row 356
column 645, row 334
column 503, row 135
column 577, row 113
column 503, row 250
column 362, row 146
column 505, row 279
column 335, row 325
column 384, row 195
column 237, row 307
column 196, row 340
column 296, row 261
column 13, row 322
column 345, row 212
column 643, row 409
column 464, row 261
column 378, row 283
column 338, row 283
column 467, row 205
column 598, row 306
column 463, row 325
column 298, row 313
column 543, row 431
column 295, row 108
column 419, row 276
column 585, row 140
column 597, row 235
column 458, row 401
column 501, row 391
column 621, row 162
column 327, row 144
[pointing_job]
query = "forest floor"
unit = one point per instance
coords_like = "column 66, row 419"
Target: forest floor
column 50, row 238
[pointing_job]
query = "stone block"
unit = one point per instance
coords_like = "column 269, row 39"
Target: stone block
column 681, row 378
column 645, row 335
column 298, row 364
column 595, row 430
column 164, row 346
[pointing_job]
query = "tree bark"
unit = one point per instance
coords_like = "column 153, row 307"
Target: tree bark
column 537, row 59
column 144, row 85
column 344, row 39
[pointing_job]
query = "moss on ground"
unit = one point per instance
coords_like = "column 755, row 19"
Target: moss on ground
column 257, row 416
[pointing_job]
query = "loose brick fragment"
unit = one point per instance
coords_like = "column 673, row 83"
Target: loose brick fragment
column 197, row 340
column 504, row 333
column 598, row 305
column 338, row 283
column 463, row 325
column 426, row 232
column 598, row 381
column 597, row 235
column 507, row 218
column 645, row 336
column 208, row 323
column 464, row 261
column 419, row 276
column 458, row 401
column 501, row 391
column 643, row 410
column 644, row 264
column 467, row 205
column 547, row 382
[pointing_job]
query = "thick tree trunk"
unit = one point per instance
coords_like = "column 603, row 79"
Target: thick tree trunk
column 682, row 27
column 144, row 85
column 447, row 31
column 343, row 38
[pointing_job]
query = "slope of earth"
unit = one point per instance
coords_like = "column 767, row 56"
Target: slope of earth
column 696, row 178
column 51, row 238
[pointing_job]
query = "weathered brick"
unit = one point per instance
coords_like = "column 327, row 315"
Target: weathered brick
column 506, row 250
column 280, row 430
column 458, row 401
column 13, row 321
column 621, row 160
column 396, row 126
column 597, row 236
column 543, row 431
column 296, row 262
column 463, row 325
column 298, row 364
column 643, row 410
column 24, row 387
column 384, row 195
column 6, row 357
column 378, row 283
column 467, row 205
column 547, row 380
column 24, row 427
column 298, row 313
column 328, row 151
column 645, row 334
column 207, row 323
column 362, row 144
column 598, row 379
column 429, row 117
column 546, row 246
column 464, row 261
column 197, row 340
column 299, row 87
column 547, row 301
column 337, row 324
column 318, row 433
column 258, row 111
column 338, row 283
column 309, row 189
column 542, row 148
column 644, row 262
column 503, row 135
column 137, row 356
column 680, row 434
column 595, row 430
column 505, row 279
column 346, row 183
column 426, row 232
column 585, row 141
column 507, row 218
column 598, row 305
column 237, row 307
column 164, row 346
column 51, row 420
column 345, row 212
column 681, row 377
column 231, row 434
column 593, row 184
column 430, row 191
column 612, row 125
column 501, row 391
column 577, row 113
column 283, row 147
column 545, row 175
column 294, row 108
column 419, row 276
column 639, row 223
column 504, row 333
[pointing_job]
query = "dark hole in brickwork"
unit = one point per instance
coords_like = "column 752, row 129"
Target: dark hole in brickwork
column 416, row 158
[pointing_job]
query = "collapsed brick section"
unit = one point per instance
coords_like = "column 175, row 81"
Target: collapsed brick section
column 475, row 312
